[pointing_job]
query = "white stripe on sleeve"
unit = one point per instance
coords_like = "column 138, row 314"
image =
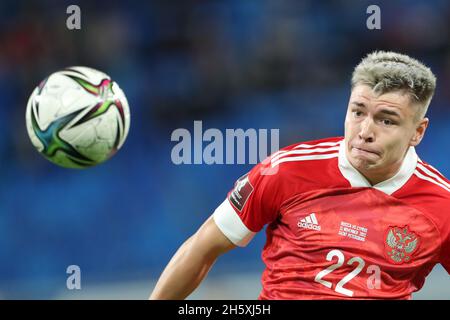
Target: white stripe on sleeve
column 231, row 225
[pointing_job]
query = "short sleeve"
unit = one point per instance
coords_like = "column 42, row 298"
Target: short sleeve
column 251, row 204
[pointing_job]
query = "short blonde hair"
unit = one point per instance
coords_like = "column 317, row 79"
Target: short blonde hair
column 386, row 71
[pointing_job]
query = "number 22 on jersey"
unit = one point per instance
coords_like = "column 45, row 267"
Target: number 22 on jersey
column 373, row 282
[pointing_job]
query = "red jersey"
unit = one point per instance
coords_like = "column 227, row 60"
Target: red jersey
column 332, row 235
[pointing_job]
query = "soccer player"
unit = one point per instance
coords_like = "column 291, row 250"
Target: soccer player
column 359, row 216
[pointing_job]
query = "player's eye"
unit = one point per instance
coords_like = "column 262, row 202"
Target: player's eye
column 357, row 113
column 387, row 122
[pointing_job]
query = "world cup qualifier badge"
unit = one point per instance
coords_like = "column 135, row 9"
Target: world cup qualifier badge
column 241, row 192
column 400, row 244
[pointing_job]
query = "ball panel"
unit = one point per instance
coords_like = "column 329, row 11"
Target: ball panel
column 120, row 97
column 34, row 140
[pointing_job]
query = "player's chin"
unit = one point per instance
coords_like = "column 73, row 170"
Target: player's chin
column 366, row 164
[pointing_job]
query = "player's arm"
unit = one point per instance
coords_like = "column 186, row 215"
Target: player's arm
column 191, row 263
column 253, row 202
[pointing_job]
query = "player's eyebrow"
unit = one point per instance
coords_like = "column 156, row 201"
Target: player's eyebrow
column 359, row 104
column 385, row 111
column 390, row 112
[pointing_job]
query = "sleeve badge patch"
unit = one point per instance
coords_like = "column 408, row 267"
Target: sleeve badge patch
column 241, row 192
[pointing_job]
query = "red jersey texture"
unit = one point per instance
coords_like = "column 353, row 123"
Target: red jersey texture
column 332, row 235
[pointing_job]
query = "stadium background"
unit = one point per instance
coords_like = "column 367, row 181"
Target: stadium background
column 232, row 64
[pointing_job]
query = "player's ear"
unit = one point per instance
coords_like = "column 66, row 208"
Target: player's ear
column 421, row 127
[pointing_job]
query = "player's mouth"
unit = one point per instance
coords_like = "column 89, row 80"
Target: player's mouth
column 365, row 152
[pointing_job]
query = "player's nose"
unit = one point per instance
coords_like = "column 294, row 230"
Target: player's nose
column 366, row 130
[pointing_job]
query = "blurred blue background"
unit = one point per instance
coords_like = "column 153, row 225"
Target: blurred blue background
column 232, row 64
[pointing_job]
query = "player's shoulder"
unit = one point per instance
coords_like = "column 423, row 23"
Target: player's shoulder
column 299, row 167
column 430, row 192
column 432, row 181
column 314, row 163
column 313, row 152
column 325, row 142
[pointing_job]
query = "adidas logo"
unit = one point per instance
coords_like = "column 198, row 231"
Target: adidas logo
column 309, row 222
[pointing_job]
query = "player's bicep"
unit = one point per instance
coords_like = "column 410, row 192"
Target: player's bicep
column 210, row 240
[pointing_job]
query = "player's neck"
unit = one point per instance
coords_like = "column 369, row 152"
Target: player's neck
column 375, row 179
column 375, row 176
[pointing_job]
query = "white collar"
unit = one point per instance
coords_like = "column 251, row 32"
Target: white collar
column 388, row 186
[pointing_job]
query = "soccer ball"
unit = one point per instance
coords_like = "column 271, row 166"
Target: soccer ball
column 78, row 117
